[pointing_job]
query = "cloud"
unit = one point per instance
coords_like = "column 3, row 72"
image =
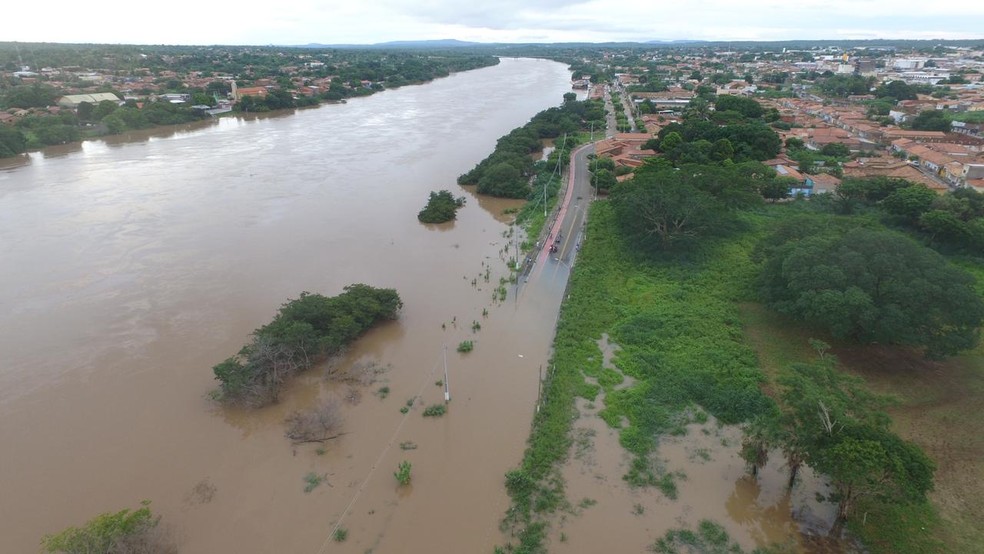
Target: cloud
column 363, row 22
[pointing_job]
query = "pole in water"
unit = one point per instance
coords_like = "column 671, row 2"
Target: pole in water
column 447, row 386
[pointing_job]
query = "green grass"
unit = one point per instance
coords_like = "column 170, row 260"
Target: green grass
column 678, row 325
column 697, row 343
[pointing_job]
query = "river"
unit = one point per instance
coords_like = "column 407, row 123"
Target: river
column 129, row 266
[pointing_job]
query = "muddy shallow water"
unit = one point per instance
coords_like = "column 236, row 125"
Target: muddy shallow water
column 131, row 266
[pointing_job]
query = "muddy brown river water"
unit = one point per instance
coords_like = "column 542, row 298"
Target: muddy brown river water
column 128, row 267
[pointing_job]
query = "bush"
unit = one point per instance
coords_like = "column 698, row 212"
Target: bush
column 316, row 425
column 466, row 346
column 402, row 473
column 122, row 532
column 441, row 207
column 435, row 410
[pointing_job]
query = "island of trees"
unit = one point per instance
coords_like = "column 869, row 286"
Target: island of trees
column 305, row 330
column 441, row 207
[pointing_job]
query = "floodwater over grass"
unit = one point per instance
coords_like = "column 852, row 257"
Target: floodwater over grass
column 657, row 363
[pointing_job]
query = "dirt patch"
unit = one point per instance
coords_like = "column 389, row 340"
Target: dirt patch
column 941, row 408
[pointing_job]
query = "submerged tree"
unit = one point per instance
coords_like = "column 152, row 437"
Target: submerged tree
column 441, row 207
column 304, row 331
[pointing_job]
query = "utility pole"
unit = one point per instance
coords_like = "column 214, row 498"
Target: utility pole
column 447, row 386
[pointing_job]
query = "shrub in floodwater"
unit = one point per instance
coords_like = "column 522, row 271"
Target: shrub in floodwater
column 466, row 346
column 340, row 534
column 318, row 424
column 124, row 531
column 402, row 473
column 435, row 410
column 312, row 480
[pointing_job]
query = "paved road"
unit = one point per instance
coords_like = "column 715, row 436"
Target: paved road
column 567, row 224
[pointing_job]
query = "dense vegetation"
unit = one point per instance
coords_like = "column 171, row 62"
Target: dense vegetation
column 441, row 207
column 676, row 318
column 508, row 170
column 871, row 286
column 123, row 532
column 393, row 67
column 665, row 208
column 666, row 264
column 304, row 331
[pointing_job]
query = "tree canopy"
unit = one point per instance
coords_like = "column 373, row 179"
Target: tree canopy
column 507, row 171
column 871, row 286
column 305, row 330
column 441, row 207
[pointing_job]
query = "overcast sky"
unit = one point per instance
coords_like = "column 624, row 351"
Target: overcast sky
column 290, row 22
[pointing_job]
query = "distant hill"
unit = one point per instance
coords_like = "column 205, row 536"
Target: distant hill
column 440, row 43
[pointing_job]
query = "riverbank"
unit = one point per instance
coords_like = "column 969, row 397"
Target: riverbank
column 59, row 128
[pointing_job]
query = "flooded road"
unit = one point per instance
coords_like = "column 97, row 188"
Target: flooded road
column 129, row 267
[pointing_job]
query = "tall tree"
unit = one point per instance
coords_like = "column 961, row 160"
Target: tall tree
column 872, row 286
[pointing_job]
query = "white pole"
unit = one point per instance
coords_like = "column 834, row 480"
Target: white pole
column 447, row 386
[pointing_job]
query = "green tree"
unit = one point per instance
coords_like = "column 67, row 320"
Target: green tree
column 777, row 189
column 12, row 142
column 671, row 142
column 441, row 207
column 659, row 211
column 869, row 462
column 836, row 150
column 897, row 90
column 722, row 150
column 35, row 95
column 85, row 111
column 931, row 120
column 504, row 179
column 747, row 107
column 871, row 286
column 113, row 533
column 603, row 180
column 304, row 330
column 909, row 202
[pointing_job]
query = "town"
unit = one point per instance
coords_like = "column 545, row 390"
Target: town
column 909, row 112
